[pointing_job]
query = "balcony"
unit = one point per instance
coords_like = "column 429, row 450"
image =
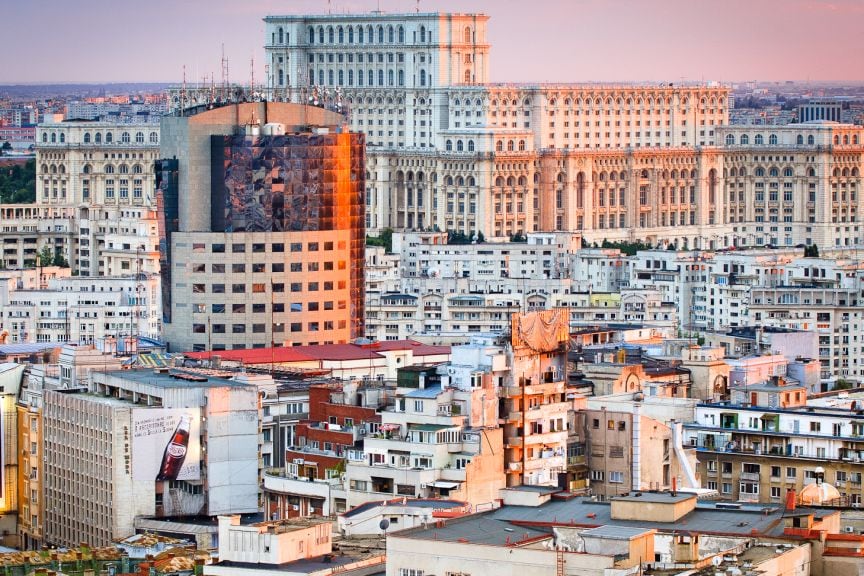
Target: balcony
column 754, row 476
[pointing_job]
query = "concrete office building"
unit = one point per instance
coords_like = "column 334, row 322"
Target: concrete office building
column 103, row 446
column 94, row 199
column 261, row 214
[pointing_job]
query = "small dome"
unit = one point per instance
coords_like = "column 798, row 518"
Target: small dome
column 815, row 494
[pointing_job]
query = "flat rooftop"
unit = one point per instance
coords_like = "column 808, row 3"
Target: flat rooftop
column 173, row 378
column 483, row 529
column 409, row 503
column 655, row 497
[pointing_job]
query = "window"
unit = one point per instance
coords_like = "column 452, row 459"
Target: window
column 616, row 477
column 597, row 475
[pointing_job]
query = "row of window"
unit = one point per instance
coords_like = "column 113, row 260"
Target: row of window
column 276, row 287
column 277, row 307
column 219, row 248
column 125, row 138
column 275, row 327
column 260, row 267
column 361, row 35
column 759, row 140
column 340, row 78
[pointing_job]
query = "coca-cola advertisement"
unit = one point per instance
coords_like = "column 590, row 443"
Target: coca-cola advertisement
column 166, row 444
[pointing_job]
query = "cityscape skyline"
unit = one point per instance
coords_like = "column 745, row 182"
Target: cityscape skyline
column 724, row 52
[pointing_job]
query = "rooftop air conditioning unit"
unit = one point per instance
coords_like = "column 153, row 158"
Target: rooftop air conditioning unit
column 849, row 529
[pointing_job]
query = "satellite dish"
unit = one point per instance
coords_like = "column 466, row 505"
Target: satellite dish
column 384, row 524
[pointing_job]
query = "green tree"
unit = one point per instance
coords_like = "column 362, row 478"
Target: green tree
column 46, row 257
column 811, row 251
column 385, row 239
column 7, row 146
column 842, row 384
column 480, row 238
column 18, row 183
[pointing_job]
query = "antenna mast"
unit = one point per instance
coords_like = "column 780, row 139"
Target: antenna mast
column 224, row 74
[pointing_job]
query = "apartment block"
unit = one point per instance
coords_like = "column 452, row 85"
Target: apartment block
column 103, row 446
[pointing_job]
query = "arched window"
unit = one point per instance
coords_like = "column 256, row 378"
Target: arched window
column 341, row 77
column 448, row 181
column 311, row 35
column 139, row 137
column 281, row 77
column 350, row 81
column 745, row 139
column 788, row 172
column 772, row 140
column 854, row 172
column 467, row 35
column 53, row 138
column 471, row 181
column 136, row 169
column 510, row 146
column 845, row 139
column 125, row 138
column 86, row 137
column 53, row 169
column 499, row 181
column 470, row 146
column 371, row 77
column 760, row 172
column 644, row 173
column 773, row 172
column 499, row 146
column 422, row 77
column 742, row 172
column 800, row 140
column 45, row 137
column 281, row 35
column 467, row 76
column 370, row 36
column 109, row 169
column 758, row 140
column 340, row 34
column 390, row 35
column 320, row 34
column 422, row 34
column 836, row 140
column 380, row 77
column 390, row 78
column 732, row 172
column 401, row 34
column 401, row 77
column 123, row 169
column 460, row 181
column 811, row 172
column 730, row 139
column 97, row 138
column 449, row 145
column 459, row 146
column 330, row 38
column 62, row 137
column 523, row 181
column 350, row 35
column 380, row 34
column 360, row 35
column 521, row 145
column 811, row 140
column 87, row 169
column 510, row 181
column 855, row 139
column 330, row 77
column 845, row 171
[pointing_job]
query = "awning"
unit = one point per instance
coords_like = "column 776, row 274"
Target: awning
column 442, row 484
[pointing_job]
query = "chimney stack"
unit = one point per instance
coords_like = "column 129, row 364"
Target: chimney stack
column 790, row 500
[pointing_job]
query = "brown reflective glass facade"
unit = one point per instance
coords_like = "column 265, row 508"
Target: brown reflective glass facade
column 297, row 183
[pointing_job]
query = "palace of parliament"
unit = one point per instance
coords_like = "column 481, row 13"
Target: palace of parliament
column 449, row 149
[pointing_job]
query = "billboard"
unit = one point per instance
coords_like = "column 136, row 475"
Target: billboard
column 166, row 444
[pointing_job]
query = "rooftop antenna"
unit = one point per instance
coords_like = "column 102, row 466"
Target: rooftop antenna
column 329, row 6
column 183, row 91
column 252, row 78
column 224, row 74
column 417, row 7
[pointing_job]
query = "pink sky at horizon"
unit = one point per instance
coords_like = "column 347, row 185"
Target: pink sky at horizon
column 554, row 41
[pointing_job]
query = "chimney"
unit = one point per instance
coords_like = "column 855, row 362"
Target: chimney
column 674, row 485
column 790, row 500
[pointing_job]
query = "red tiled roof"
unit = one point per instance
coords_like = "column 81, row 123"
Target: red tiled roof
column 321, row 352
column 255, row 355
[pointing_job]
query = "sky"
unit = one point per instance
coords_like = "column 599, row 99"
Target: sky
column 532, row 40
